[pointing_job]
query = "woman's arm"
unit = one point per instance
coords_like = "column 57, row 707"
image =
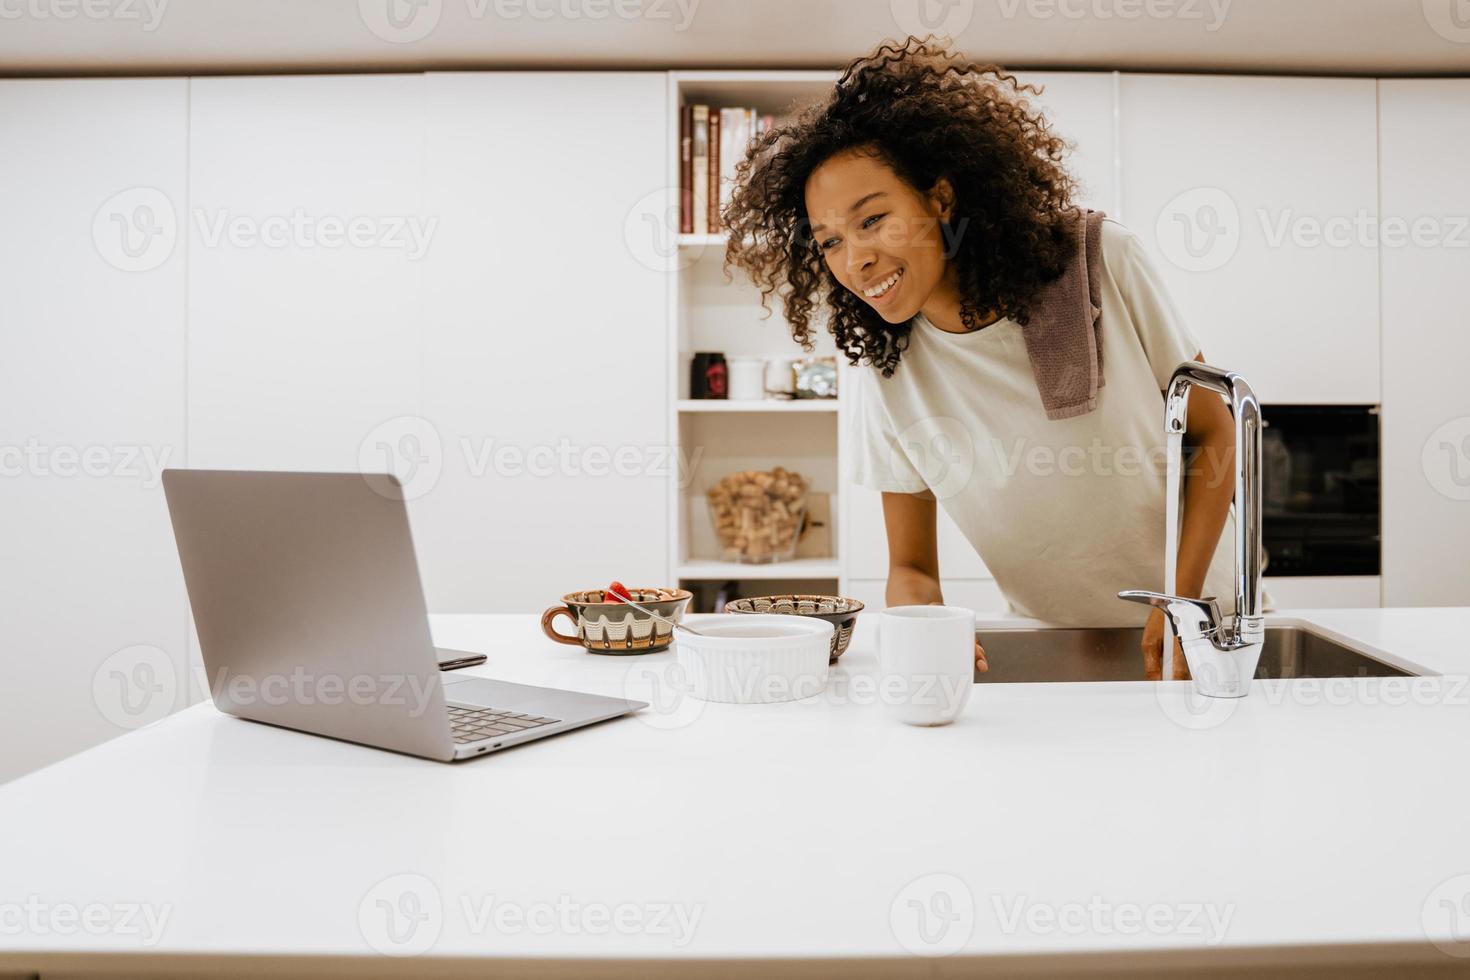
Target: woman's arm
column 1209, row 486
column 913, row 554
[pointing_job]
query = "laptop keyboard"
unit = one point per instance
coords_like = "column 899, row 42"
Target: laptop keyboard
column 473, row 724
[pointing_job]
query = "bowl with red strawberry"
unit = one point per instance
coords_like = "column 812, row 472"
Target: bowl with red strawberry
column 603, row 622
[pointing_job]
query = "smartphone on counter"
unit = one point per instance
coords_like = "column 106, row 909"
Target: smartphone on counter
column 459, row 658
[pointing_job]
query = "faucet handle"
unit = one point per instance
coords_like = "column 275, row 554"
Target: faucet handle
column 1191, row 617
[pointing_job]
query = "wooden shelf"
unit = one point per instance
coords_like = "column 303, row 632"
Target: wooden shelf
column 797, row 568
column 758, row 405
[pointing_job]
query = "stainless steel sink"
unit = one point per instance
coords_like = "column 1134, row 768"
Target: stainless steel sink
column 1030, row 655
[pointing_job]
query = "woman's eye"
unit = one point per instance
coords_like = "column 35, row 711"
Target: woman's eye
column 826, row 245
column 868, row 222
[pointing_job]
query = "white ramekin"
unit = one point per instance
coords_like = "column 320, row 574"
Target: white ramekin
column 743, row 669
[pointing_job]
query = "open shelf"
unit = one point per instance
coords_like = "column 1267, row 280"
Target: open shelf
column 757, row 405
column 796, row 568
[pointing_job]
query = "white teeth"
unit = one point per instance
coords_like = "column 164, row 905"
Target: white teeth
column 882, row 287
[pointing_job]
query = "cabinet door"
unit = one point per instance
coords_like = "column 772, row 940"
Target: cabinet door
column 305, row 240
column 92, row 194
column 1253, row 195
column 1425, row 132
column 546, row 371
column 1080, row 106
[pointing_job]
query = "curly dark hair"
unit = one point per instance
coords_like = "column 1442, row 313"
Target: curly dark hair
column 927, row 113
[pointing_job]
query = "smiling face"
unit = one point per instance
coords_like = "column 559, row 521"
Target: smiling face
column 881, row 238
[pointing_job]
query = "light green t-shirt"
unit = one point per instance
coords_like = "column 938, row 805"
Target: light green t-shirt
column 1065, row 513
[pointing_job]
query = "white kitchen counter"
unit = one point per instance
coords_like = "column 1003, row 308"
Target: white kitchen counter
column 1295, row 825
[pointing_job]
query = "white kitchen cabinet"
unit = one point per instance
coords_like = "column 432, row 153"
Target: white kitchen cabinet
column 1252, row 194
column 545, row 368
column 1425, row 141
column 304, row 337
column 1324, row 591
column 92, row 190
column 1080, row 106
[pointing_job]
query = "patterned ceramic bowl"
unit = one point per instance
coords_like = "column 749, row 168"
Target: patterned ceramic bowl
column 615, row 627
column 837, row 610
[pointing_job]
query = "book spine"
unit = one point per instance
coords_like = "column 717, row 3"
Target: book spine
column 716, row 134
column 699, row 158
column 686, row 161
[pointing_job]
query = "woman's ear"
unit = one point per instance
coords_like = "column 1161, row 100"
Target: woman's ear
column 941, row 199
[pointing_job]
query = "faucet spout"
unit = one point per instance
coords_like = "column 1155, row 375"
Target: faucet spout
column 1246, row 411
column 1222, row 653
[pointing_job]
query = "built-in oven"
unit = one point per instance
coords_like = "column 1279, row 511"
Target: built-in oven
column 1321, row 488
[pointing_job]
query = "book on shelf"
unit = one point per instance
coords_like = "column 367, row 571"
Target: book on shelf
column 712, row 141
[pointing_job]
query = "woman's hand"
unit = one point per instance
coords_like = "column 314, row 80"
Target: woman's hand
column 980, row 663
column 1153, row 650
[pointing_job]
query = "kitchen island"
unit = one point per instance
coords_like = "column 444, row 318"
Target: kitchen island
column 1054, row 829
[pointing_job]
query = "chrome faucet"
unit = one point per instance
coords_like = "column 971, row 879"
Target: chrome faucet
column 1222, row 655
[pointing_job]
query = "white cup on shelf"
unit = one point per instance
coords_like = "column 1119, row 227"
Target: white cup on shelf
column 926, row 662
column 747, row 378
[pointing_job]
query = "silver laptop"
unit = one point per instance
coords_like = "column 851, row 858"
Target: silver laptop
column 310, row 614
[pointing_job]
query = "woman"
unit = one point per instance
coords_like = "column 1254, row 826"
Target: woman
column 924, row 207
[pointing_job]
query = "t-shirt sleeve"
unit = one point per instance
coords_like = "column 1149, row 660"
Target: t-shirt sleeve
column 877, row 460
column 1166, row 338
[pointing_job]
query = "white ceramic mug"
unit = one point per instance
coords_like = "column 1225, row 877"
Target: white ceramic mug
column 926, row 658
column 747, row 378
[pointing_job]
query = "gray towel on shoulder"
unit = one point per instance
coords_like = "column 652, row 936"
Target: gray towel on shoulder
column 1064, row 335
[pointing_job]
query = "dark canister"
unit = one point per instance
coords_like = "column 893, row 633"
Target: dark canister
column 707, row 375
